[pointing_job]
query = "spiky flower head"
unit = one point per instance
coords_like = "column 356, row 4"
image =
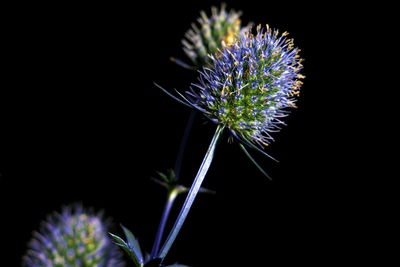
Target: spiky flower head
column 74, row 237
column 207, row 38
column 250, row 85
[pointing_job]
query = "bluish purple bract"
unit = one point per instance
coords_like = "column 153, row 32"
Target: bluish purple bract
column 250, row 85
column 73, row 238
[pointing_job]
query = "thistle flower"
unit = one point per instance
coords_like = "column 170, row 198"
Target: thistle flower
column 206, row 39
column 72, row 238
column 250, row 85
column 248, row 89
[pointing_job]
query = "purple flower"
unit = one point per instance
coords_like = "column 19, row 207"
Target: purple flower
column 74, row 237
column 251, row 85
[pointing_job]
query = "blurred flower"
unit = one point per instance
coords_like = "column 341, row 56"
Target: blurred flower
column 250, row 85
column 205, row 39
column 73, row 238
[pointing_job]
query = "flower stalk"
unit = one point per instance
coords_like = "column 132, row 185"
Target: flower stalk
column 173, row 190
column 205, row 165
column 172, row 194
column 179, row 158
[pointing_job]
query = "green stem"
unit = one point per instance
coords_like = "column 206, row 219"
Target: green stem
column 205, row 165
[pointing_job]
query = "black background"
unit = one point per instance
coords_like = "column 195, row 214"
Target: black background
column 81, row 121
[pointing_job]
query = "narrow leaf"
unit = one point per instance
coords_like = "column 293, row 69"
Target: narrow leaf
column 126, row 247
column 133, row 243
column 251, row 145
column 170, row 95
column 191, row 104
column 163, row 176
column 207, row 191
column 255, row 162
column 118, row 239
column 182, row 64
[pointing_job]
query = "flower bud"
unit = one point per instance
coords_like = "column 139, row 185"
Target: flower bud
column 212, row 32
